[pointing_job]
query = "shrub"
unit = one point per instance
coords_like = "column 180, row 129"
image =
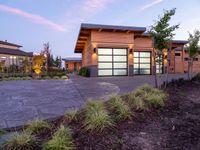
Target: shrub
column 62, row 140
column 120, row 108
column 56, row 77
column 2, row 132
column 21, row 141
column 38, row 126
column 64, row 77
column 46, row 77
column 72, row 115
column 96, row 117
column 26, row 78
column 84, row 71
column 17, row 78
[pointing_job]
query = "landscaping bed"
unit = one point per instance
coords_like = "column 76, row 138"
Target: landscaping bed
column 174, row 124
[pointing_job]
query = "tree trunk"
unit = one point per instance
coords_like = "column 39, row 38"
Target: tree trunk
column 155, row 74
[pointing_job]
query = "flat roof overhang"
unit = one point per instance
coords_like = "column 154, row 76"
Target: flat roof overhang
column 85, row 31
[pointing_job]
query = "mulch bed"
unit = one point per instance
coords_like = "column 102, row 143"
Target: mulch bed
column 176, row 126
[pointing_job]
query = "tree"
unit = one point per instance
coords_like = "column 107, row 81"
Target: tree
column 47, row 54
column 38, row 62
column 26, row 65
column 162, row 34
column 193, row 41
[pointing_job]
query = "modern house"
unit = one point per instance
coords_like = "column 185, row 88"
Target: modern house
column 11, row 55
column 109, row 50
column 72, row 64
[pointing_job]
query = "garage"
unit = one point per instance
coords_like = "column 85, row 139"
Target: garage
column 112, row 62
column 142, row 63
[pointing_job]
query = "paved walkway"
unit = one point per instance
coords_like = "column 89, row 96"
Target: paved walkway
column 22, row 101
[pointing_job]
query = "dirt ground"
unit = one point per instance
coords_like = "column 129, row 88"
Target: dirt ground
column 176, row 126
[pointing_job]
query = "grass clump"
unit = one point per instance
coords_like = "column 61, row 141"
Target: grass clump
column 26, row 78
column 47, row 77
column 96, row 117
column 21, row 141
column 62, row 140
column 72, row 115
column 120, row 108
column 56, row 77
column 64, row 77
column 38, row 126
column 146, row 96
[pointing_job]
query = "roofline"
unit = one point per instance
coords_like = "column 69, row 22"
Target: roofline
column 115, row 27
column 107, row 27
column 10, row 44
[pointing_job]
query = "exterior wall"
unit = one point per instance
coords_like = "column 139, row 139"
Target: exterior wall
column 8, row 46
column 72, row 66
column 196, row 64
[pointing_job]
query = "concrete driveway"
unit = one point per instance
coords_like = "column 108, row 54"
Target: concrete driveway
column 23, row 101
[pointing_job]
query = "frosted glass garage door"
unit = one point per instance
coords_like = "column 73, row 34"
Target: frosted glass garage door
column 112, row 62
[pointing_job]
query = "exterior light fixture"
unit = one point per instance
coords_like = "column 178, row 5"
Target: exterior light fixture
column 130, row 51
column 95, row 50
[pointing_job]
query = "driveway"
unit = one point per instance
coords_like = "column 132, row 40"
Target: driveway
column 22, row 101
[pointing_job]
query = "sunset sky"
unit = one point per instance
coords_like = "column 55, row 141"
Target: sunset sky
column 31, row 23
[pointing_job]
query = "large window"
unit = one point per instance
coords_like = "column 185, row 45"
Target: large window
column 112, row 62
column 142, row 63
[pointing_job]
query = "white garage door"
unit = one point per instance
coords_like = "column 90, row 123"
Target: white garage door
column 112, row 62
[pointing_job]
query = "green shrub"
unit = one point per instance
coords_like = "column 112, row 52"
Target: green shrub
column 2, row 132
column 64, row 77
column 11, row 78
column 56, row 77
column 26, row 78
column 46, row 77
column 38, row 126
column 96, row 117
column 84, row 71
column 72, row 115
column 21, row 141
column 62, row 140
column 120, row 108
column 17, row 78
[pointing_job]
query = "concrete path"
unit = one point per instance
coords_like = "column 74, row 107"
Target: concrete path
column 23, row 101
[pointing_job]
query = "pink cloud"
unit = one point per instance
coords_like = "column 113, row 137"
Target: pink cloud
column 155, row 2
column 94, row 6
column 32, row 17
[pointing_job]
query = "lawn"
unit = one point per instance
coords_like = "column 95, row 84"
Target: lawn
column 172, row 123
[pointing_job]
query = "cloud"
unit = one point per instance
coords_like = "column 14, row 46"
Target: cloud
column 155, row 2
column 95, row 5
column 32, row 17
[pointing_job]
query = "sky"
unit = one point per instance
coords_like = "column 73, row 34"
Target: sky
column 31, row 23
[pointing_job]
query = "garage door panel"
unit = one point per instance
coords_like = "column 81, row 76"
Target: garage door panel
column 120, row 65
column 105, row 72
column 120, row 58
column 105, row 58
column 104, row 65
column 120, row 72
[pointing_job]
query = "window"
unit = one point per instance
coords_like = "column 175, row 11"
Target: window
column 186, row 59
column 142, row 63
column 195, row 59
column 177, row 54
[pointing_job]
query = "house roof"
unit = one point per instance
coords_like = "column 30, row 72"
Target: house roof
column 85, row 29
column 9, row 44
column 14, row 52
column 179, row 41
column 112, row 27
column 72, row 59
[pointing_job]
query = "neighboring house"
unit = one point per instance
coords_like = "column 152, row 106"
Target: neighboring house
column 11, row 55
column 72, row 64
column 122, row 50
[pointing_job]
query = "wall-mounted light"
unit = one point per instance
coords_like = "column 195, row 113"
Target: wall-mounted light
column 95, row 50
column 130, row 51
